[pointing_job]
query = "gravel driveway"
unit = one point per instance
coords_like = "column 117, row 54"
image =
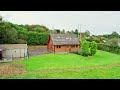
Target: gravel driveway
column 39, row 51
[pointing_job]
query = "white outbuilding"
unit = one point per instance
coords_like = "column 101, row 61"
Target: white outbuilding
column 13, row 51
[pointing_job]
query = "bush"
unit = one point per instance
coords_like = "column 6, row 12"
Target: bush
column 85, row 48
column 109, row 48
column 76, row 52
column 93, row 48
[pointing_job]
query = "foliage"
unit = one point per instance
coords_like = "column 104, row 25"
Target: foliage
column 112, row 42
column 37, row 38
column 85, row 48
column 78, row 52
column 109, row 48
column 7, row 33
column 76, row 31
column 113, row 35
column 93, row 48
column 36, row 28
column 87, row 33
column 31, row 34
column 63, row 31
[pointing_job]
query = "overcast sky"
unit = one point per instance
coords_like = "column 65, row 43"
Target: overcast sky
column 97, row 22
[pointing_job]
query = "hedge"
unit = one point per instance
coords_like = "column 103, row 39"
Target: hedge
column 109, row 48
column 35, row 38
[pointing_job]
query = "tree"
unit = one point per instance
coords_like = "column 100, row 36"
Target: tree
column 72, row 32
column 87, row 33
column 114, row 35
column 7, row 33
column 63, row 31
column 1, row 18
column 85, row 48
column 113, row 42
column 57, row 30
column 76, row 31
column 68, row 32
column 93, row 48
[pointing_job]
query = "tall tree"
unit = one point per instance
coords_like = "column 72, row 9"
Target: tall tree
column 57, row 30
column 114, row 35
column 76, row 31
column 87, row 33
column 63, row 31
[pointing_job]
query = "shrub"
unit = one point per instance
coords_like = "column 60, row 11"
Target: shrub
column 85, row 48
column 93, row 48
column 109, row 48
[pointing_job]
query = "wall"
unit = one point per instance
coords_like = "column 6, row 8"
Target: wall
column 11, row 52
column 65, row 48
column 50, row 44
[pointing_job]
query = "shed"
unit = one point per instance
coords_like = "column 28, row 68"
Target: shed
column 63, row 42
column 13, row 50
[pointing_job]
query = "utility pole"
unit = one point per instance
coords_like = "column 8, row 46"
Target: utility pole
column 78, row 31
column 53, row 30
column 79, row 36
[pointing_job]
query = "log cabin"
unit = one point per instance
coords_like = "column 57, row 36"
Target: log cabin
column 63, row 43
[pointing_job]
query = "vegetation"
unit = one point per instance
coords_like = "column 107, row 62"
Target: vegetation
column 85, row 48
column 31, row 34
column 112, row 42
column 52, row 61
column 34, row 66
column 100, row 73
column 109, row 48
column 93, row 48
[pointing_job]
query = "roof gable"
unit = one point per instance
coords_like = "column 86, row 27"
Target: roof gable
column 64, row 39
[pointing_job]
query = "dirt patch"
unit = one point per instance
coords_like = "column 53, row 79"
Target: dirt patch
column 8, row 70
column 17, row 59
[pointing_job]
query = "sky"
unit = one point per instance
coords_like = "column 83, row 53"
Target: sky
column 97, row 22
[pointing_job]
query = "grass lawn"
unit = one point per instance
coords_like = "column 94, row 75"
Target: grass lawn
column 102, row 73
column 54, row 61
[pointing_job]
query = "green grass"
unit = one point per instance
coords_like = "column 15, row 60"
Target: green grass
column 102, row 73
column 53, row 61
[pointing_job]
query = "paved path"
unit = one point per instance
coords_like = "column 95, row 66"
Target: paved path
column 39, row 51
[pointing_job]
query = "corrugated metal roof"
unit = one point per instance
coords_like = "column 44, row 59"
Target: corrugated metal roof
column 13, row 46
column 64, row 39
column 2, row 48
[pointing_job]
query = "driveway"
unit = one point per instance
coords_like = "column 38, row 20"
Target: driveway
column 39, row 51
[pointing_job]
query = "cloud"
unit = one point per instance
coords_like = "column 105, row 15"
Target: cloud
column 97, row 22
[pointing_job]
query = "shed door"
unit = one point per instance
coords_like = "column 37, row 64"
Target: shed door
column 0, row 55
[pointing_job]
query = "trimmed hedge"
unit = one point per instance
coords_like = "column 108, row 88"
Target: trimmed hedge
column 35, row 38
column 109, row 48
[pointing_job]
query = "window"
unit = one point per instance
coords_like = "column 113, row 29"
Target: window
column 58, row 46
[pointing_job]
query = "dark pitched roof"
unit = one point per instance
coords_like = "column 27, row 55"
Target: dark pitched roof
column 64, row 39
